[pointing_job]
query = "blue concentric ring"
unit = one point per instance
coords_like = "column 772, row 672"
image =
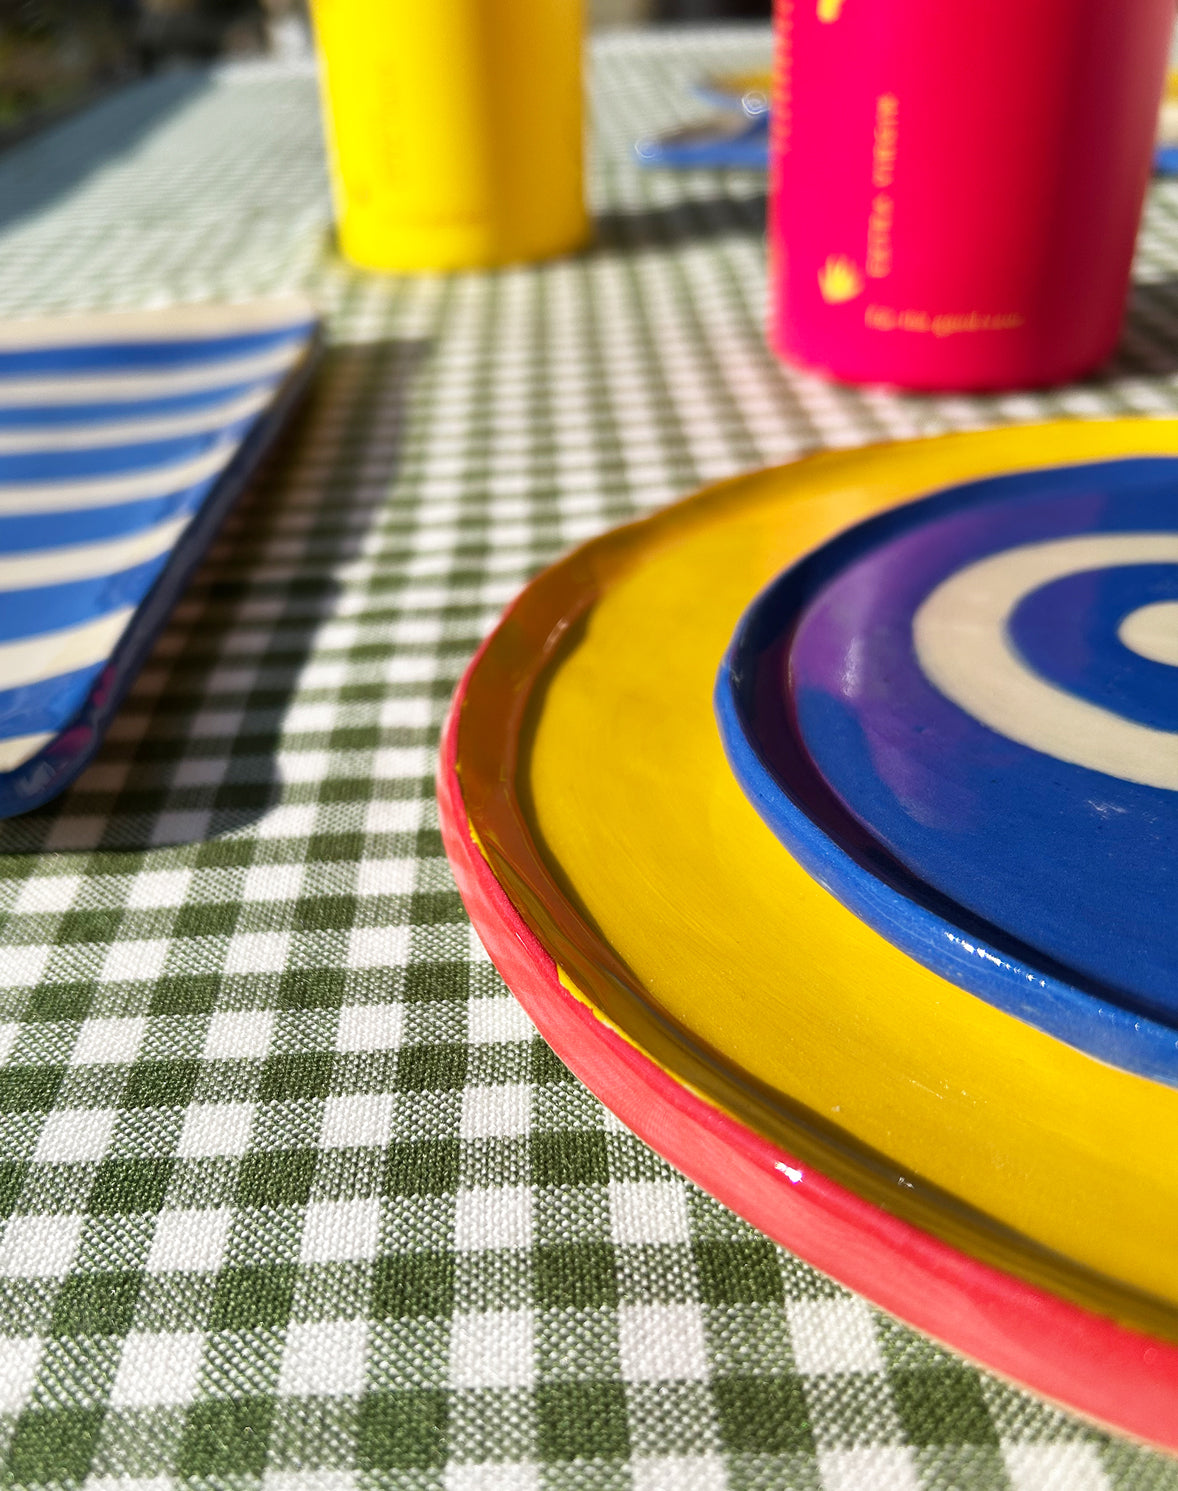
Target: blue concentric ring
column 1020, row 860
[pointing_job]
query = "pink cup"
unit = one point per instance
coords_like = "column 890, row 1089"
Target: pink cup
column 955, row 185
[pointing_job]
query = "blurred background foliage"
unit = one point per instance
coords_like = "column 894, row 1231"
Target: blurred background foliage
column 56, row 54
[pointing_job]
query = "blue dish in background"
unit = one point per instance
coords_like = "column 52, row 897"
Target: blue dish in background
column 124, row 441
column 729, row 142
column 735, row 139
column 962, row 717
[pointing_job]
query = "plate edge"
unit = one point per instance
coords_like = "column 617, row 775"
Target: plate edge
column 1120, row 1378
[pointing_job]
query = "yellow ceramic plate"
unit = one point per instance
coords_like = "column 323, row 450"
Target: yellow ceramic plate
column 589, row 767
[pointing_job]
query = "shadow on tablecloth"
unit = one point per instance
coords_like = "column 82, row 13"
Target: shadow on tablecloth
column 675, row 223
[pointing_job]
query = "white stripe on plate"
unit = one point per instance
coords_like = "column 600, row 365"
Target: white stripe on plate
column 116, row 388
column 87, row 561
column 96, row 436
column 35, row 659
column 33, row 497
column 18, row 749
column 176, row 323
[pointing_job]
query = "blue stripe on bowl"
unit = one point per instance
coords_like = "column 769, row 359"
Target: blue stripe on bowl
column 115, row 460
column 48, row 705
column 31, row 531
column 23, row 612
column 51, row 417
column 127, row 357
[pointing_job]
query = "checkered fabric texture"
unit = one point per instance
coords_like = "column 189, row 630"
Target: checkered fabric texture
column 295, row 1196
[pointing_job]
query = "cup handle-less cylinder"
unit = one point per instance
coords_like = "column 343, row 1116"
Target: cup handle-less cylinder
column 454, row 129
column 956, row 184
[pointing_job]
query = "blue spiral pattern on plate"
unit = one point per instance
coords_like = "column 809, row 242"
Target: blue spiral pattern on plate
column 1070, row 631
column 122, row 445
column 962, row 717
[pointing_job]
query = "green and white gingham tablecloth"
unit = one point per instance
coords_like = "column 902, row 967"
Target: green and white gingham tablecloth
column 295, row 1197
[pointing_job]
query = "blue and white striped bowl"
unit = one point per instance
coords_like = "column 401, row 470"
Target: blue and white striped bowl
column 124, row 440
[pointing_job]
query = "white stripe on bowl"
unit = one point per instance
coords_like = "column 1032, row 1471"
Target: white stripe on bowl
column 88, row 561
column 32, row 497
column 115, row 387
column 18, row 749
column 52, row 438
column 182, row 323
column 35, row 659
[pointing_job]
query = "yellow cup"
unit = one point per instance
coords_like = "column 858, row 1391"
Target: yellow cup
column 454, row 129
